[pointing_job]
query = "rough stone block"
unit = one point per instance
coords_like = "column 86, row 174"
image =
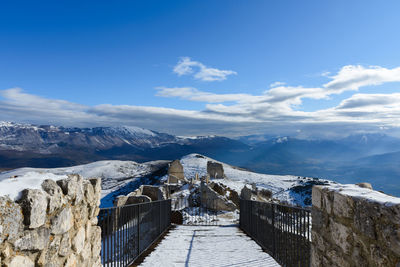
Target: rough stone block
column 10, row 219
column 79, row 240
column 33, row 240
column 317, row 196
column 62, row 222
column 34, row 207
column 343, row 205
column 21, row 261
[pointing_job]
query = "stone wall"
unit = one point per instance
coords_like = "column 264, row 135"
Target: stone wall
column 353, row 226
column 55, row 226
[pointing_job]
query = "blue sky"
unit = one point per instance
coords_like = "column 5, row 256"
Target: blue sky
column 113, row 62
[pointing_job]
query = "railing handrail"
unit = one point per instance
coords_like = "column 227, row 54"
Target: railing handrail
column 136, row 204
column 279, row 204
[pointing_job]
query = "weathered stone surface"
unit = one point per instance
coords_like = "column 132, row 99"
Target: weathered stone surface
column 21, row 261
column 34, row 205
column 214, row 201
column 72, row 187
column 137, row 199
column 89, row 192
column 96, row 183
column 343, row 205
column 79, row 240
column 246, row 193
column 33, row 240
column 354, row 230
column 67, row 236
column 56, row 196
column 120, row 201
column 72, row 261
column 317, row 196
column 173, row 179
column 176, row 170
column 65, row 245
column 215, row 170
column 153, row 192
column 10, row 219
column 62, row 222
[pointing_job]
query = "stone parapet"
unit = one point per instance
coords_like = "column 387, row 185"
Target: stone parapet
column 354, row 226
column 52, row 226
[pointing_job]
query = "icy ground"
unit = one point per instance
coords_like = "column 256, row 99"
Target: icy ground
column 219, row 246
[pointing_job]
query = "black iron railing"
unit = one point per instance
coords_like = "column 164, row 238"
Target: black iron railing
column 283, row 231
column 202, row 212
column 127, row 231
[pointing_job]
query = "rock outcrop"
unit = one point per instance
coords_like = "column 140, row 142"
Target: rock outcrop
column 55, row 226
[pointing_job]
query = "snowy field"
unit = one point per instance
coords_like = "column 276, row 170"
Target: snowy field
column 219, row 246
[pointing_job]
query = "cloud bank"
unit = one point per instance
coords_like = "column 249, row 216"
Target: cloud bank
column 274, row 111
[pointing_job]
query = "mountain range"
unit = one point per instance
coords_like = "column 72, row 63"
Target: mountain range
column 370, row 158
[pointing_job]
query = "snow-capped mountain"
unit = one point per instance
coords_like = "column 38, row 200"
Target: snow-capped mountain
column 50, row 139
column 50, row 146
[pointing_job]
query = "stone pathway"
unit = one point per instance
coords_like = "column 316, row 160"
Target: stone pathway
column 219, row 246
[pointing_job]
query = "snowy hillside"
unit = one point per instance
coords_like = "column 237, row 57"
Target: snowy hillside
column 117, row 176
column 287, row 188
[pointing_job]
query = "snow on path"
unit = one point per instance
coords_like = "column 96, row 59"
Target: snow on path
column 219, row 246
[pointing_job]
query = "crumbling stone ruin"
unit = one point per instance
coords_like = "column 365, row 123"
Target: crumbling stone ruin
column 254, row 193
column 145, row 193
column 215, row 170
column 175, row 172
column 55, row 226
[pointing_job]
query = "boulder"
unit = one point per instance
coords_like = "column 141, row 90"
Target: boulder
column 176, row 169
column 215, row 170
column 34, row 206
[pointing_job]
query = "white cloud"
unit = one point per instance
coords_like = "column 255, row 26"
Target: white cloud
column 274, row 111
column 186, row 66
column 275, row 84
column 352, row 77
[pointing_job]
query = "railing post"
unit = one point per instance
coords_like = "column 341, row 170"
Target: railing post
column 273, row 228
column 138, row 231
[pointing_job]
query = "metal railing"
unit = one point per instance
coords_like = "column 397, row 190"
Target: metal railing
column 127, row 231
column 202, row 213
column 283, row 231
